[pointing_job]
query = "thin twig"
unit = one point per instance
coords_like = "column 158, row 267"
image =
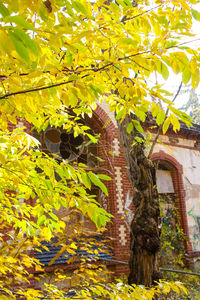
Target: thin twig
column 160, row 127
column 3, row 86
column 124, row 19
column 149, row 51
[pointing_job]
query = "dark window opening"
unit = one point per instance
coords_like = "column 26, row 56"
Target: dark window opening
column 64, row 145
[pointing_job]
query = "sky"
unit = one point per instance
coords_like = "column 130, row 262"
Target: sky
column 174, row 81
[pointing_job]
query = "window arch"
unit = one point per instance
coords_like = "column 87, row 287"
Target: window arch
column 64, row 145
column 174, row 170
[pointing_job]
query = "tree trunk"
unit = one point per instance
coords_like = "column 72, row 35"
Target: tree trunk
column 145, row 232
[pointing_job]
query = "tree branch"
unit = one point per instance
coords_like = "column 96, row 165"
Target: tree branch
column 38, row 89
column 160, row 127
column 86, row 75
column 149, row 51
column 124, row 19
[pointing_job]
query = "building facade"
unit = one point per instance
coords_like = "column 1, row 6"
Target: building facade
column 178, row 157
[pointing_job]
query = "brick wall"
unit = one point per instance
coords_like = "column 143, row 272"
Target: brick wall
column 118, row 189
column 118, row 202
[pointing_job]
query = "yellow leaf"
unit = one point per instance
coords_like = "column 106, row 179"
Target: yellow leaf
column 195, row 79
column 46, row 233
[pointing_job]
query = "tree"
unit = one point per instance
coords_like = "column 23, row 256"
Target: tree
column 57, row 59
column 192, row 106
column 145, row 229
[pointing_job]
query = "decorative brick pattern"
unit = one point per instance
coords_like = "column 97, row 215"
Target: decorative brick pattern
column 116, row 147
column 128, row 209
column 119, row 190
column 122, row 235
column 20, row 124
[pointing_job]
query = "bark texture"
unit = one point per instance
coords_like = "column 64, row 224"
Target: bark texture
column 145, row 232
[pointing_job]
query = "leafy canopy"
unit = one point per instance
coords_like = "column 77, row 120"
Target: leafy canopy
column 58, row 59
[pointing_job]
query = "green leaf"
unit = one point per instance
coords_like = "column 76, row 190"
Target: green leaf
column 140, row 114
column 53, row 216
column 164, row 71
column 195, row 14
column 137, row 126
column 3, row 10
column 79, row 7
column 94, row 178
column 19, row 46
column 128, row 41
column 73, row 100
column 20, row 21
column 160, row 117
column 129, row 128
column 28, row 42
column 3, row 140
column 139, row 139
column 96, row 90
column 43, row 13
column 120, row 114
column 104, row 177
column 69, row 8
column 41, row 220
column 186, row 76
column 175, row 110
column 22, row 42
column 86, row 181
column 158, row 65
column 68, row 57
column 115, row 7
column 128, row 2
column 73, row 77
column 182, row 115
column 92, row 138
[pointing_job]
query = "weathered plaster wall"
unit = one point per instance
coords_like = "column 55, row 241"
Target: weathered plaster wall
column 189, row 158
column 164, row 181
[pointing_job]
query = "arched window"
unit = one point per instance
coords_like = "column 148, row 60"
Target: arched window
column 167, row 194
column 64, row 145
column 170, row 183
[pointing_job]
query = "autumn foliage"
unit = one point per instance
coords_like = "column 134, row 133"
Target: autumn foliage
column 59, row 59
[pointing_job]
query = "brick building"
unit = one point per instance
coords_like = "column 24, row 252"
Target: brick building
column 178, row 172
column 177, row 175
